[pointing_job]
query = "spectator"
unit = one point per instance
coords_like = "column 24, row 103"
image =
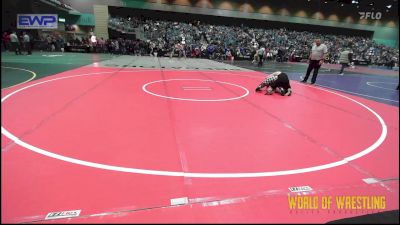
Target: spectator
column 27, row 43
column 260, row 53
column 15, row 43
column 345, row 58
column 6, row 41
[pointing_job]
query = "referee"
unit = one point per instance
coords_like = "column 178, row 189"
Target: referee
column 317, row 56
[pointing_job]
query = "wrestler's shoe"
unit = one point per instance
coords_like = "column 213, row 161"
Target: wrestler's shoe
column 282, row 91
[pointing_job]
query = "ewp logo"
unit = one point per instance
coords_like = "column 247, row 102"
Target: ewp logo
column 37, row 21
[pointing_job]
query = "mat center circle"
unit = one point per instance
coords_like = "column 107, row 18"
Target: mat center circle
column 195, row 90
column 326, row 165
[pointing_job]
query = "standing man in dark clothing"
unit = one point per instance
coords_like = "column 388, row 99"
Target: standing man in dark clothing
column 279, row 55
column 279, row 82
column 316, row 59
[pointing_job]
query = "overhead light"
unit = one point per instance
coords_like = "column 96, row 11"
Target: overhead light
column 354, row 2
column 342, row 5
column 389, row 6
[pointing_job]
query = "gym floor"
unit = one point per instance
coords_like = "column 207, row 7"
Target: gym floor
column 125, row 139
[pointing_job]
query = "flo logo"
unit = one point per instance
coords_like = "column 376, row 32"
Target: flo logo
column 372, row 15
column 63, row 214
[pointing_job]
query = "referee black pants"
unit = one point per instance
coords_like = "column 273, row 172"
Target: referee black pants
column 314, row 65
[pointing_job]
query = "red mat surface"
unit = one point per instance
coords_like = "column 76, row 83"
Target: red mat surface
column 204, row 135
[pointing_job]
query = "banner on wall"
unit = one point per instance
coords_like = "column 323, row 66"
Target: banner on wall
column 37, row 21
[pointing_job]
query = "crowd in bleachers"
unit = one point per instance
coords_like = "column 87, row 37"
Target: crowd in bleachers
column 123, row 24
column 197, row 39
column 214, row 41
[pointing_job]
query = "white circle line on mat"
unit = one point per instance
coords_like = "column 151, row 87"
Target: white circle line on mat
column 371, row 84
column 144, row 88
column 360, row 154
column 26, row 81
